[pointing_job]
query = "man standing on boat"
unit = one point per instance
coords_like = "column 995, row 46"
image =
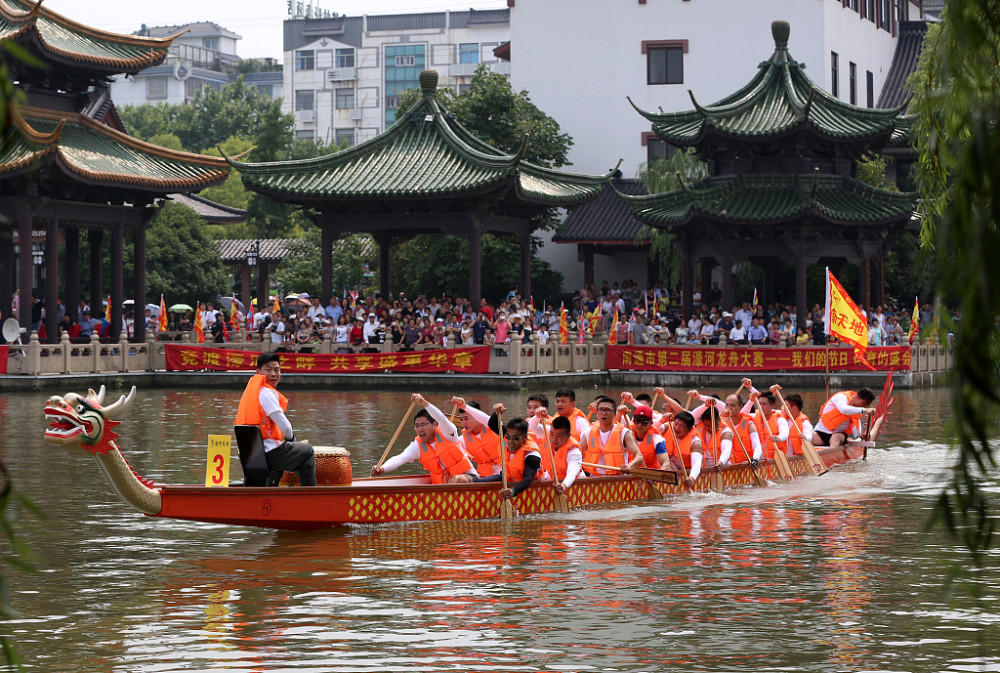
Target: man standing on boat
column 262, row 405
column 841, row 415
column 437, row 446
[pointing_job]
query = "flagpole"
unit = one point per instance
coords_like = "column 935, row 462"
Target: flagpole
column 826, row 331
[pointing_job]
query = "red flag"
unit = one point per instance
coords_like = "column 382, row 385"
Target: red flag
column 844, row 319
column 161, row 324
column 915, row 320
column 563, row 325
column 613, row 334
column 199, row 332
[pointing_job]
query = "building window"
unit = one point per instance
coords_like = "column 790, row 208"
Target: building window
column 391, row 102
column 266, row 90
column 870, row 10
column 345, row 58
column 665, row 65
column 344, row 99
column 305, row 99
column 835, row 73
column 403, row 64
column 344, row 137
column 156, row 88
column 885, row 20
column 904, row 10
column 401, row 61
column 192, row 88
column 855, row 5
column 305, row 60
column 870, row 84
column 853, row 73
column 468, row 53
column 656, row 148
column 462, row 88
column 210, row 43
column 305, row 135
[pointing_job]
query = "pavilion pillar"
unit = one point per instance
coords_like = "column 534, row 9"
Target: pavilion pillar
column 263, row 286
column 95, row 237
column 245, row 284
column 72, row 265
column 525, row 242
column 6, row 273
column 587, row 257
column 864, row 283
column 687, row 281
column 800, row 290
column 117, row 280
column 384, row 265
column 139, row 282
column 475, row 262
column 727, row 281
column 878, row 284
column 52, row 280
column 707, row 264
column 24, row 269
column 325, row 265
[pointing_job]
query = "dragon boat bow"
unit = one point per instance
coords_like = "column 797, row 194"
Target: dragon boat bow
column 81, row 424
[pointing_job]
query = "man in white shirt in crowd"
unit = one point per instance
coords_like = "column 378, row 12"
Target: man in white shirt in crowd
column 276, row 328
column 371, row 328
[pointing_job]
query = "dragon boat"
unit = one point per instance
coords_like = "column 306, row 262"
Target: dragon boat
column 83, row 424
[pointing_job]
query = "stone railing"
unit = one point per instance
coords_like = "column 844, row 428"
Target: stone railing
column 97, row 357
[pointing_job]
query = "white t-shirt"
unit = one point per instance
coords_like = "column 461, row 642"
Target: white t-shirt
column 272, row 409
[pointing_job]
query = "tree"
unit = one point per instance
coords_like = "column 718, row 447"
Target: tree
column 665, row 175
column 299, row 271
column 182, row 262
column 957, row 134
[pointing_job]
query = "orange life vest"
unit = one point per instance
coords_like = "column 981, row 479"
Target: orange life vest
column 515, row 461
column 251, row 413
column 711, row 448
column 573, row 432
column 831, row 417
column 484, row 448
column 648, row 448
column 613, row 450
column 795, row 431
column 685, row 446
column 741, row 433
column 443, row 456
column 561, row 455
column 765, row 435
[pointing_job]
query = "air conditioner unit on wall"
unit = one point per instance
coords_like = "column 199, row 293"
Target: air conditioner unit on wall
column 305, row 115
column 355, row 113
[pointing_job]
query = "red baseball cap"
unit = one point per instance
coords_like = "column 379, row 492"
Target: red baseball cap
column 642, row 411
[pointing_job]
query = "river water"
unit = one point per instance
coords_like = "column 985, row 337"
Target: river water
column 823, row 574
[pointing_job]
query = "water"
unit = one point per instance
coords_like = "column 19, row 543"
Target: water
column 822, row 574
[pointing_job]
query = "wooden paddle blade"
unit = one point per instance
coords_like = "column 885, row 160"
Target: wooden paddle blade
column 781, row 463
column 506, row 509
column 652, row 474
column 717, row 483
column 758, row 478
column 562, row 503
column 653, row 492
column 816, row 464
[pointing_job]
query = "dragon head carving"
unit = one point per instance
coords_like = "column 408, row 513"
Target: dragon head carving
column 81, row 422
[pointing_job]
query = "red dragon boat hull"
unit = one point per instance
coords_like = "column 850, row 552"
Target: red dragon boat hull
column 402, row 499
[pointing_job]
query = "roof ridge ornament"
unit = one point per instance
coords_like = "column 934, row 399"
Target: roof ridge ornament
column 428, row 83
column 780, row 31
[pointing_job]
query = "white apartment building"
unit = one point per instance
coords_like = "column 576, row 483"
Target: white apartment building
column 204, row 56
column 343, row 75
column 581, row 60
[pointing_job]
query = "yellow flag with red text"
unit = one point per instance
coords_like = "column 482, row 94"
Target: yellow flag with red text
column 844, row 319
column 613, row 334
column 198, row 330
column 563, row 325
column 277, row 306
column 161, row 324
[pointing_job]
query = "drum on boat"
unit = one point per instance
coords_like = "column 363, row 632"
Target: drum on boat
column 333, row 468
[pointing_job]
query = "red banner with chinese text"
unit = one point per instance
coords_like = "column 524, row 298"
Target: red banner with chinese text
column 4, row 354
column 744, row 360
column 459, row 360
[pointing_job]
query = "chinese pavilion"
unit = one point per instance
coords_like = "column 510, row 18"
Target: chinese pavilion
column 67, row 165
column 425, row 174
column 781, row 188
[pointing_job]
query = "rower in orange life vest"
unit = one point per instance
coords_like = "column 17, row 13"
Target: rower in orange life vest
column 840, row 415
column 524, row 461
column 262, row 405
column 688, row 445
column 716, row 437
column 772, row 426
column 481, row 443
column 567, row 454
column 437, row 446
column 606, row 442
column 538, row 407
column 745, row 439
column 799, row 425
column 652, row 448
column 566, row 406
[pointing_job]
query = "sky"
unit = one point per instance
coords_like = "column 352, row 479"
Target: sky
column 257, row 21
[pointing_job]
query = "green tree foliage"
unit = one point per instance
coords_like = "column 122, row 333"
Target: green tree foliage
column 665, row 175
column 168, row 140
column 300, row 270
column 182, row 262
column 440, row 265
column 957, row 95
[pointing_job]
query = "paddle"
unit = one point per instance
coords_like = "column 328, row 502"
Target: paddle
column 757, row 477
column 454, row 411
column 406, row 417
column 812, row 457
column 779, row 456
column 506, row 506
column 561, row 501
column 645, row 473
column 654, row 493
column 717, row 483
column 677, row 447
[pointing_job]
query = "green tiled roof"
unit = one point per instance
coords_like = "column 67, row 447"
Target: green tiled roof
column 780, row 99
column 426, row 154
column 66, row 41
column 97, row 154
column 763, row 198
